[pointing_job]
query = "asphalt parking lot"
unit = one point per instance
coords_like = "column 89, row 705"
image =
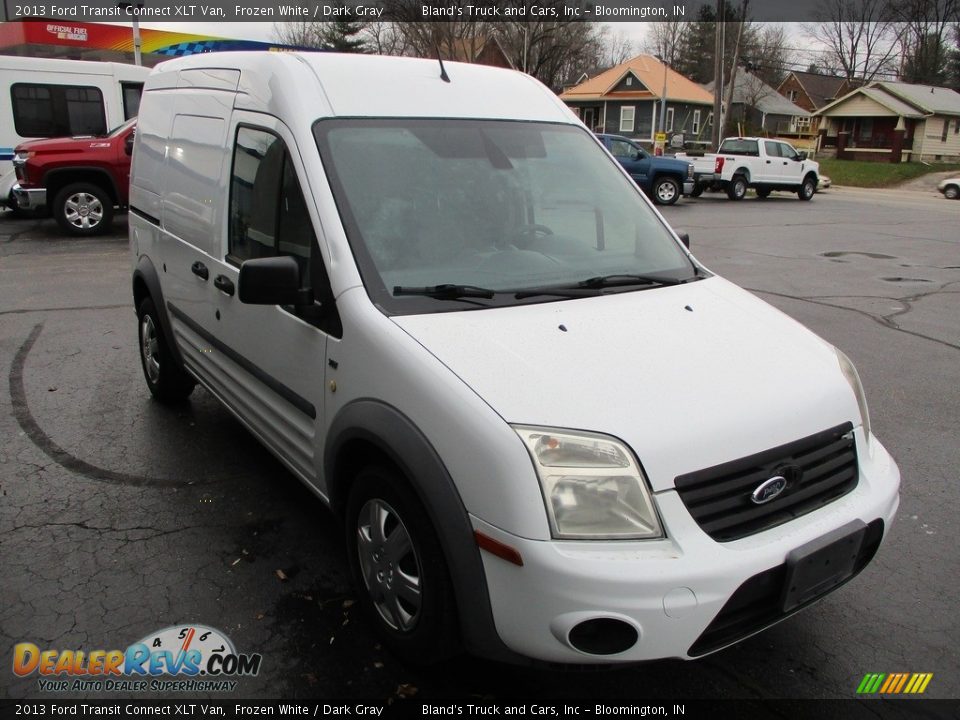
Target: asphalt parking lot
column 119, row 517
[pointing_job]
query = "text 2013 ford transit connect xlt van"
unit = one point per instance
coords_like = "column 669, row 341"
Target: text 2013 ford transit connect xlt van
column 550, row 432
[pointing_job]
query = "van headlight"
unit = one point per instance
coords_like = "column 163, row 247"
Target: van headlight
column 592, row 486
column 850, row 373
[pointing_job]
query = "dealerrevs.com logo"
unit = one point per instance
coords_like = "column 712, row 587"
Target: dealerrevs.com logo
column 184, row 658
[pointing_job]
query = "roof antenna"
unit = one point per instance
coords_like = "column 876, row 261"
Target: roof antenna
column 443, row 71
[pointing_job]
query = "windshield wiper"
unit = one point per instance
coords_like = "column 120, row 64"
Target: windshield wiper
column 557, row 290
column 446, row 291
column 602, row 281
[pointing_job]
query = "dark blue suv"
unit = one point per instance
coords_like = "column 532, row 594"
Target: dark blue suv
column 664, row 179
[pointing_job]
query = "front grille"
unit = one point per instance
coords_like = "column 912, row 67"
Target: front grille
column 758, row 603
column 818, row 470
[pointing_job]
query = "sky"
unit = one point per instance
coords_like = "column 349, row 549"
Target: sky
column 264, row 30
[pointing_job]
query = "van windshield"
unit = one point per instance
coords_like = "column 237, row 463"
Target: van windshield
column 456, row 214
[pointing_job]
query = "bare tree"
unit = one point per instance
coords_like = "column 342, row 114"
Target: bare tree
column 924, row 43
column 860, row 38
column 666, row 40
column 384, row 38
column 553, row 51
column 302, row 34
column 615, row 47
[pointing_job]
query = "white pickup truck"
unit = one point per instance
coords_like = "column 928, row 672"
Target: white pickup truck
column 759, row 163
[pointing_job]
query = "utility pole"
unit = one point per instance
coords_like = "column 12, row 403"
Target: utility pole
column 717, row 78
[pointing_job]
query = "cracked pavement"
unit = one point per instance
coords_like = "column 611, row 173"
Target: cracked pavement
column 119, row 517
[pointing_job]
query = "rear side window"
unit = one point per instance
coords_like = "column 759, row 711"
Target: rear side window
column 772, row 148
column 57, row 110
column 740, row 147
column 131, row 99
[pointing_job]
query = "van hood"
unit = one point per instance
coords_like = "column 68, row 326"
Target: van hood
column 75, row 144
column 689, row 376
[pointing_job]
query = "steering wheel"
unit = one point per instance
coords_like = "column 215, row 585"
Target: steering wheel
column 526, row 233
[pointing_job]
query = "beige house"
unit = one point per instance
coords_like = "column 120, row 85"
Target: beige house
column 893, row 122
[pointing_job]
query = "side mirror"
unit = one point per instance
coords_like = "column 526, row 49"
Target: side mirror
column 272, row 281
column 801, row 156
column 685, row 239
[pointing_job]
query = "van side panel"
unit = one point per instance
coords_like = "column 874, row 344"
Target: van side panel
column 191, row 198
column 146, row 170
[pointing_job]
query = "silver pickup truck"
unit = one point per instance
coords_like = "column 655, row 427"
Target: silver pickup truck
column 750, row 162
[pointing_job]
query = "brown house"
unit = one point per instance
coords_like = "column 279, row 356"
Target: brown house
column 812, row 91
column 482, row 51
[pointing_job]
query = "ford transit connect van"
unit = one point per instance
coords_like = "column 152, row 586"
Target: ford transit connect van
column 550, row 432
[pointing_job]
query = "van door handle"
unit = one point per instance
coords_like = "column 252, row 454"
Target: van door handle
column 769, row 161
column 200, row 270
column 223, row 284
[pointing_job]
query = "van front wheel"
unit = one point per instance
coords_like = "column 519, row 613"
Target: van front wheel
column 167, row 382
column 83, row 209
column 398, row 567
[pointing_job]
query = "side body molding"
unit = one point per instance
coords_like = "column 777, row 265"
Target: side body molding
column 392, row 433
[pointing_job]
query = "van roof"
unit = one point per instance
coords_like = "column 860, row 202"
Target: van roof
column 64, row 66
column 326, row 84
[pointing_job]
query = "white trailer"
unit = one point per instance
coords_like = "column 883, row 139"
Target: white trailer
column 42, row 97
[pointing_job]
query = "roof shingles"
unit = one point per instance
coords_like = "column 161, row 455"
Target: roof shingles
column 648, row 71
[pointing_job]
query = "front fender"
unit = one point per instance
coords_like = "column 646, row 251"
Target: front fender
column 395, row 435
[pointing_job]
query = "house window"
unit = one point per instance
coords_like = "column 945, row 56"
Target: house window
column 866, row 128
column 696, row 122
column 669, row 126
column 627, row 118
column 629, row 81
column 946, row 128
column 791, row 95
column 801, row 123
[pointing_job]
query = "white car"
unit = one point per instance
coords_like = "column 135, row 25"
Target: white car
column 763, row 164
column 550, row 432
column 950, row 188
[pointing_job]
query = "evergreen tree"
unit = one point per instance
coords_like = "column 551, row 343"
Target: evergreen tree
column 344, row 36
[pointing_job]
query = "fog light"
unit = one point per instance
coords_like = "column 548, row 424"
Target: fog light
column 603, row 636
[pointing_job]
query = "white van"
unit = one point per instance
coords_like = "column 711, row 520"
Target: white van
column 43, row 98
column 549, row 431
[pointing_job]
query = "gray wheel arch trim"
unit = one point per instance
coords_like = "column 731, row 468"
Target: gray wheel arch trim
column 401, row 441
column 146, row 272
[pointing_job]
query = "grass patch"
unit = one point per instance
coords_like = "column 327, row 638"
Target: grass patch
column 860, row 173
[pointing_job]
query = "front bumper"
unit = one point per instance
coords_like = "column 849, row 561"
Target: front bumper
column 29, row 198
column 669, row 591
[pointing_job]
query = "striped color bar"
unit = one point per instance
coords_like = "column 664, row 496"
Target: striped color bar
column 894, row 683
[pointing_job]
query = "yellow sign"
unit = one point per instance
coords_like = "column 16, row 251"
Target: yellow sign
column 661, row 137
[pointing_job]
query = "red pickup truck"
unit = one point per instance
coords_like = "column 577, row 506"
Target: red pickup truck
column 80, row 179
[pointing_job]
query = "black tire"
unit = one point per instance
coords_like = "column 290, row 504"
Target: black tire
column 763, row 193
column 951, row 192
column 697, row 190
column 168, row 383
column 424, row 633
column 14, row 207
column 665, row 191
column 83, row 209
column 807, row 188
column 737, row 187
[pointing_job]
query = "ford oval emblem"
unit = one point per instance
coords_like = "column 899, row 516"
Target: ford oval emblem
column 769, row 490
